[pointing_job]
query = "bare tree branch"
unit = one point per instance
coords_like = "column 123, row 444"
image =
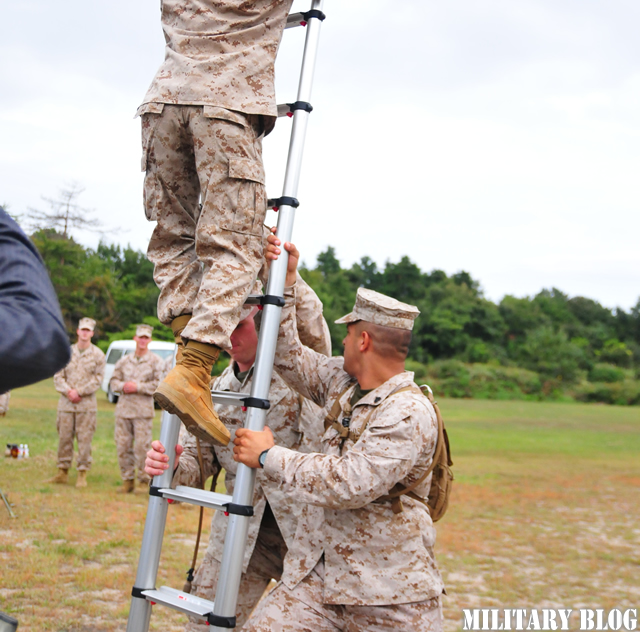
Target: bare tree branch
column 65, row 213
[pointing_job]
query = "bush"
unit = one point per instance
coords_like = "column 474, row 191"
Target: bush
column 418, row 368
column 625, row 393
column 484, row 381
column 609, row 373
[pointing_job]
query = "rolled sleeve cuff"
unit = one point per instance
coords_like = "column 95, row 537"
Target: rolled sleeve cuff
column 289, row 293
column 274, row 464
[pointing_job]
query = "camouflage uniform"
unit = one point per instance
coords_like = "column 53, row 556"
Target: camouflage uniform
column 294, row 422
column 203, row 119
column 84, row 373
column 354, row 564
column 4, row 403
column 134, row 411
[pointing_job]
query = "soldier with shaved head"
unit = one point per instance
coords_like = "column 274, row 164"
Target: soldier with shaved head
column 360, row 560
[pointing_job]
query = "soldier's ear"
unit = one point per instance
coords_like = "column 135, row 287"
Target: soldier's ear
column 365, row 343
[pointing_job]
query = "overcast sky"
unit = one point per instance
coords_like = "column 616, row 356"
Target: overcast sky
column 500, row 137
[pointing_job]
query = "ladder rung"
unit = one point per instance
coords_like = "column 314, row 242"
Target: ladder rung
column 228, row 398
column 283, row 110
column 256, row 299
column 178, row 600
column 295, row 19
column 201, row 497
column 196, row 496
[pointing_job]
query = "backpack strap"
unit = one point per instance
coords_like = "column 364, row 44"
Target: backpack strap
column 331, row 420
column 442, row 443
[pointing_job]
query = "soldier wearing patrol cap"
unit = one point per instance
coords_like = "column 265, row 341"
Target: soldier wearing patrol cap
column 360, row 560
column 77, row 384
column 135, row 378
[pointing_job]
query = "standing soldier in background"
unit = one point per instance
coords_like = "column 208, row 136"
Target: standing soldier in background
column 77, row 384
column 203, row 119
column 135, row 378
column 4, row 403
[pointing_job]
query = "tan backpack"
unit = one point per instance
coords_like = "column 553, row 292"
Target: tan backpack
column 442, row 478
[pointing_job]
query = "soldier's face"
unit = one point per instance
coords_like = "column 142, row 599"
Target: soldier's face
column 244, row 341
column 84, row 334
column 350, row 352
column 142, row 342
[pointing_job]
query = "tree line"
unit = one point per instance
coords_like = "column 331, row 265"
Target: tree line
column 546, row 346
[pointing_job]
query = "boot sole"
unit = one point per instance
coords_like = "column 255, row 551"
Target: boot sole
column 169, row 399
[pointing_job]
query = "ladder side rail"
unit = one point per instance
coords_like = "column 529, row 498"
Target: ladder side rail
column 298, row 132
column 238, row 526
column 149, row 560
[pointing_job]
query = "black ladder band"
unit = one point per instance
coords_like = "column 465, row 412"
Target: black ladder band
column 155, row 491
column 285, row 200
column 271, row 299
column 239, row 510
column 221, row 622
column 300, row 105
column 256, row 402
column 137, row 592
column 314, row 13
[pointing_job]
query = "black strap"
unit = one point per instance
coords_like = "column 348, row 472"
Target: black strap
column 239, row 510
column 300, row 105
column 284, row 200
column 137, row 592
column 271, row 299
column 256, row 402
column 221, row 622
column 314, row 13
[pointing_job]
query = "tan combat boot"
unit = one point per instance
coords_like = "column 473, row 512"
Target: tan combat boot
column 127, row 487
column 185, row 392
column 61, row 478
column 82, row 478
column 177, row 326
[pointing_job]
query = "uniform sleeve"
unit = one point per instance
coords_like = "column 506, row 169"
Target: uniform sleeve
column 34, row 342
column 149, row 387
column 60, row 382
column 116, row 383
column 306, row 371
column 313, row 330
column 92, row 381
column 188, row 470
column 385, row 454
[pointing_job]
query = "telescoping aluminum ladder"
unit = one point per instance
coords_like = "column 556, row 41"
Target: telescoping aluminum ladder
column 220, row 613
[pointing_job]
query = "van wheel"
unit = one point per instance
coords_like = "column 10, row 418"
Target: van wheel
column 112, row 397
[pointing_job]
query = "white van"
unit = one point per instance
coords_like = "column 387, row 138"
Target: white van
column 120, row 348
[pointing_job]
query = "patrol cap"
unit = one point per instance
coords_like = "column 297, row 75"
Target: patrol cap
column 87, row 323
column 144, row 330
column 379, row 309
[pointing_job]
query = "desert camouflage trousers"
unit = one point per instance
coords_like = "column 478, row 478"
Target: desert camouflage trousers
column 133, row 440
column 204, row 186
column 4, row 403
column 80, row 426
column 265, row 564
column 302, row 610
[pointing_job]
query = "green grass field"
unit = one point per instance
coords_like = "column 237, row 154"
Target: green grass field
column 544, row 514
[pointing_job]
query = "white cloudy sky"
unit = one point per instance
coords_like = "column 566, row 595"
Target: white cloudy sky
column 496, row 136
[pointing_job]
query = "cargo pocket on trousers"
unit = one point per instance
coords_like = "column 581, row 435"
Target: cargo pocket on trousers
column 149, row 115
column 245, row 204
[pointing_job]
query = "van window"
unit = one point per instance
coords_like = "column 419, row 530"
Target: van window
column 163, row 353
column 114, row 356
